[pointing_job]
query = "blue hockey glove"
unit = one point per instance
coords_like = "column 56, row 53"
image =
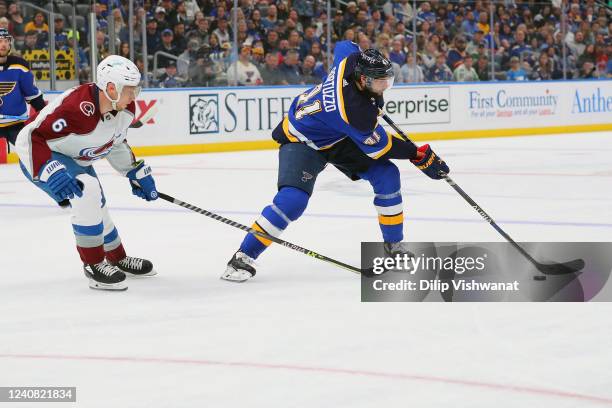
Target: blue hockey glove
column 430, row 163
column 57, row 179
column 141, row 180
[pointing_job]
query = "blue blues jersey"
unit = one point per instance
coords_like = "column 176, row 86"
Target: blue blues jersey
column 17, row 85
column 343, row 49
column 336, row 109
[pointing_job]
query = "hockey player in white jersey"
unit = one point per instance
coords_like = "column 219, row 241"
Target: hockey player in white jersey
column 57, row 148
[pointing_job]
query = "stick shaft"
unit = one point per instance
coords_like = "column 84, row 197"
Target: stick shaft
column 467, row 198
column 276, row 240
column 488, row 218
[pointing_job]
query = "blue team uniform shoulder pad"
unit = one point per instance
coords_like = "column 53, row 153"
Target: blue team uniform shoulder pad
column 361, row 109
column 343, row 49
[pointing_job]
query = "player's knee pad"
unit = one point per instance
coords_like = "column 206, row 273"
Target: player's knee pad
column 106, row 218
column 288, row 205
column 291, row 202
column 88, row 208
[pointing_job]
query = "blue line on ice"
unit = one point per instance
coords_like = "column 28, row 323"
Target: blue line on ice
column 345, row 216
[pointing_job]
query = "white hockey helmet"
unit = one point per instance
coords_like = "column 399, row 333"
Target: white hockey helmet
column 121, row 72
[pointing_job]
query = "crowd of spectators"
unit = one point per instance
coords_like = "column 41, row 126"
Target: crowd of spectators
column 285, row 41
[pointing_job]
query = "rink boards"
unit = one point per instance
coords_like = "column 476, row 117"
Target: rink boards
column 197, row 120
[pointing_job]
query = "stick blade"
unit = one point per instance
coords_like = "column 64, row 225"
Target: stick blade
column 562, row 268
column 368, row 272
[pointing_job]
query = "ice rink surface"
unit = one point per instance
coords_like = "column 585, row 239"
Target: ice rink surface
column 297, row 335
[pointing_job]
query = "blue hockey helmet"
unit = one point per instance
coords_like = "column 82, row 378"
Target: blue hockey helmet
column 4, row 33
column 376, row 69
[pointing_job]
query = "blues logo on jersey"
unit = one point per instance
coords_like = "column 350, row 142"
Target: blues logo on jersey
column 5, row 89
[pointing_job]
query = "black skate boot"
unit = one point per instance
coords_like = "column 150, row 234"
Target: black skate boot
column 397, row 248
column 240, row 268
column 135, row 266
column 105, row 276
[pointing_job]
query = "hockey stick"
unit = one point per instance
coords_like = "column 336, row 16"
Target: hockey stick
column 258, row 233
column 22, row 117
column 145, row 118
column 547, row 269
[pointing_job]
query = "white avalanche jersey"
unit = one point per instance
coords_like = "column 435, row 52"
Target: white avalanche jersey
column 73, row 126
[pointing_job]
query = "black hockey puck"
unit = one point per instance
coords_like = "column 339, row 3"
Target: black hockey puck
column 539, row 277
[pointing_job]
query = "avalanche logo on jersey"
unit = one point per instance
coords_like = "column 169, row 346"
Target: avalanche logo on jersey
column 5, row 89
column 87, row 108
column 95, row 153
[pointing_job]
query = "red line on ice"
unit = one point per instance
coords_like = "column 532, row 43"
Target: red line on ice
column 328, row 370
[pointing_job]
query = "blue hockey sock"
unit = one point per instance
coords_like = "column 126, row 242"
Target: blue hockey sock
column 384, row 177
column 288, row 205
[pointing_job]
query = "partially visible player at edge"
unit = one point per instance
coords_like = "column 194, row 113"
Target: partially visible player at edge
column 337, row 122
column 57, row 148
column 17, row 86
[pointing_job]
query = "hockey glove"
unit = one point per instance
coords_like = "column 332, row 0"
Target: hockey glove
column 141, row 180
column 430, row 163
column 57, row 179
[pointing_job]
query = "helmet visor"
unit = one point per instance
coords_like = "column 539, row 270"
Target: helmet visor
column 132, row 91
column 379, row 85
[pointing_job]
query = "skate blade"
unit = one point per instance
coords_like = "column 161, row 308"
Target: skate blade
column 233, row 280
column 229, row 277
column 120, row 286
column 140, row 275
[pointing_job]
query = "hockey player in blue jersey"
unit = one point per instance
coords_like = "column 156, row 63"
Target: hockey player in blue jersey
column 336, row 122
column 17, row 86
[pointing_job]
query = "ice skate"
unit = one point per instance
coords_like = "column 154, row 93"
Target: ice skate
column 104, row 276
column 135, row 267
column 240, row 268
